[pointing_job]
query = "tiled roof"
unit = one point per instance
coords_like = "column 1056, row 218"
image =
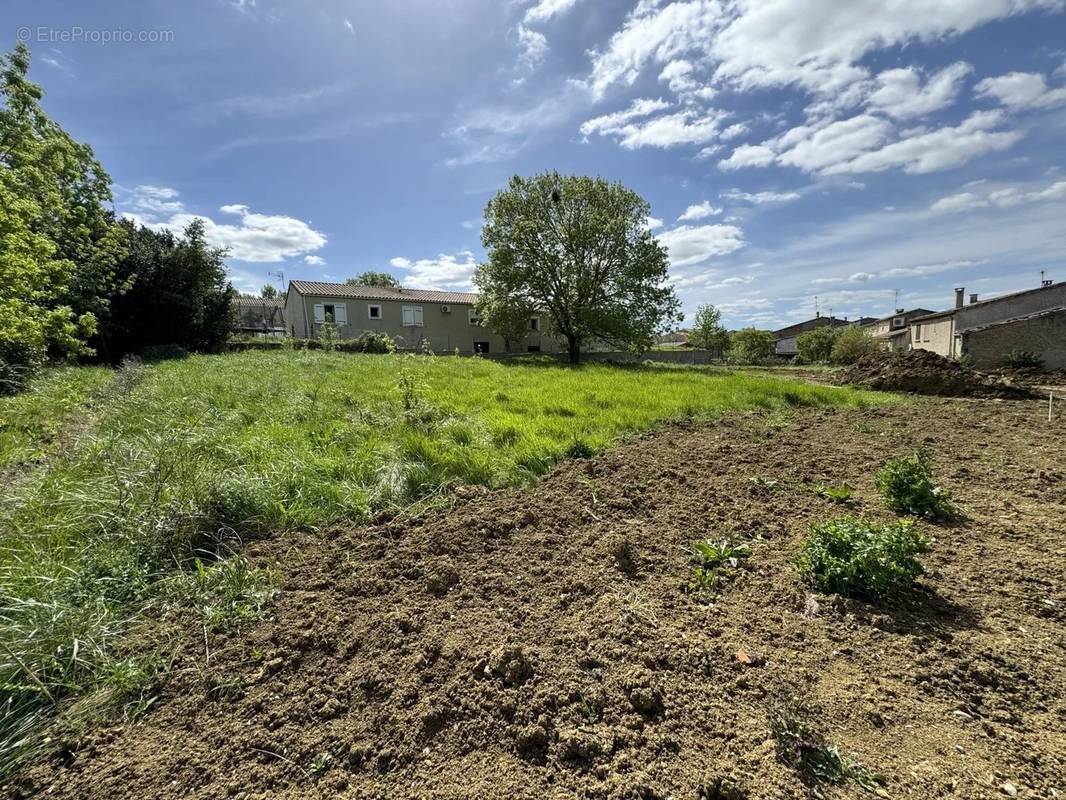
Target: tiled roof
column 257, row 302
column 360, row 292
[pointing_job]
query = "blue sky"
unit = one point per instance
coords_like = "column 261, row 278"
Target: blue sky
column 790, row 149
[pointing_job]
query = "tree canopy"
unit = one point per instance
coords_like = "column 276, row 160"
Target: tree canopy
column 816, row 345
column 371, row 278
column 578, row 251
column 707, row 332
column 59, row 243
column 751, row 346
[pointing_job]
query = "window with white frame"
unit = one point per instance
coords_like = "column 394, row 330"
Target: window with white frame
column 412, row 316
column 473, row 315
column 373, row 311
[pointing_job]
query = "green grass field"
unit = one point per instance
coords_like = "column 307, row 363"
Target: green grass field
column 176, row 461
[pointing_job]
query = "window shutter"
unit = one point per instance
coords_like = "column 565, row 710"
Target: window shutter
column 340, row 314
column 408, row 315
column 418, row 315
column 320, row 313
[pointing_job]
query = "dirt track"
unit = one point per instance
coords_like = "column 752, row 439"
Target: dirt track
column 501, row 650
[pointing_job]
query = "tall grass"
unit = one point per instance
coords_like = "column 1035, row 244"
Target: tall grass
column 195, row 453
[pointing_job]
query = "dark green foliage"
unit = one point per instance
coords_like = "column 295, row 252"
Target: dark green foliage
column 816, row 346
column 710, row 562
column 800, row 746
column 382, row 280
column 1023, row 359
column 179, row 294
column 369, row 342
column 908, row 487
column 852, row 557
column 751, row 346
column 707, row 332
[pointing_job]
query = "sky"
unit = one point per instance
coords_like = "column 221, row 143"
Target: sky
column 798, row 155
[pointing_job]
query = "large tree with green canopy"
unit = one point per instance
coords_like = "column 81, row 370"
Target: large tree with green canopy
column 59, row 242
column 578, row 251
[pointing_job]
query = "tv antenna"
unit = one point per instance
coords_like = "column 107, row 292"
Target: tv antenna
column 280, row 275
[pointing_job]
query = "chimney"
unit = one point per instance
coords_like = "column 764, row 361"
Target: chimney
column 817, row 314
column 959, row 294
column 973, row 297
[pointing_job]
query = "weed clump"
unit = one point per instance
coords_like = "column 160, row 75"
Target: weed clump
column 712, row 562
column 838, row 494
column 908, row 486
column 852, row 557
column 800, row 746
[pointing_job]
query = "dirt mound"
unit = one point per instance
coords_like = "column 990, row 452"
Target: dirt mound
column 925, row 372
column 538, row 643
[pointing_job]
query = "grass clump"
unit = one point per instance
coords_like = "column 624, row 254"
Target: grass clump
column 799, row 745
column 908, row 486
column 711, row 562
column 852, row 557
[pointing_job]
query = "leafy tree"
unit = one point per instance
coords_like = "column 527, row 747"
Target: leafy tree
column 370, row 278
column 508, row 320
column 751, row 346
column 577, row 250
column 179, row 294
column 852, row 343
column 816, row 345
column 269, row 292
column 59, row 244
column 707, row 332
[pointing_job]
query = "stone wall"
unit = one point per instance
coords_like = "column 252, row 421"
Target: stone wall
column 1045, row 336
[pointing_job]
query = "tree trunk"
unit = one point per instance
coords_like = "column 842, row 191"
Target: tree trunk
column 574, row 348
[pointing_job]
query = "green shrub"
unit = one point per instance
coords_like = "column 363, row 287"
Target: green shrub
column 372, row 342
column 19, row 362
column 751, row 346
column 816, row 345
column 908, row 487
column 853, row 343
column 838, row 494
column 849, row 556
column 710, row 561
column 1023, row 359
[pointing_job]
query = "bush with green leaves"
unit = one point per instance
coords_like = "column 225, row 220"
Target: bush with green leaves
column 816, row 346
column 711, row 560
column 751, row 346
column 853, row 557
column 1023, row 359
column 909, row 487
column 851, row 344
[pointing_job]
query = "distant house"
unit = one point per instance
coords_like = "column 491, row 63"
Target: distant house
column 988, row 330
column 785, row 339
column 894, row 331
column 259, row 315
column 414, row 318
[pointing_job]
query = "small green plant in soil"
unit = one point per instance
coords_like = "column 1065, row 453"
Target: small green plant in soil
column 838, row 494
column 1023, row 359
column 909, row 487
column 800, row 746
column 852, row 557
column 711, row 561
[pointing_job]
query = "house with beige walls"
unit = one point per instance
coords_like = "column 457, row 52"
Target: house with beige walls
column 988, row 330
column 414, row 318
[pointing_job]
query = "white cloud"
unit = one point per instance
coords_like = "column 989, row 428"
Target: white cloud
column 348, row 26
column 654, row 222
column 261, row 238
column 445, row 272
column 816, row 44
column 1008, row 197
column 689, row 245
column 314, row 261
column 544, row 10
column 614, row 123
column 733, row 131
column 687, row 126
column 760, row 198
column 814, row 149
column 1020, row 90
column 900, row 93
column 939, row 149
column 699, row 211
column 861, row 144
column 748, row 155
column 534, row 47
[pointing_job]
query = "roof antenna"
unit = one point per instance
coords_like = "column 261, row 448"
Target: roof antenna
column 816, row 314
column 896, row 307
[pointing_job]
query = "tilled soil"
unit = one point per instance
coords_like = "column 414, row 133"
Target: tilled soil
column 925, row 372
column 538, row 643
